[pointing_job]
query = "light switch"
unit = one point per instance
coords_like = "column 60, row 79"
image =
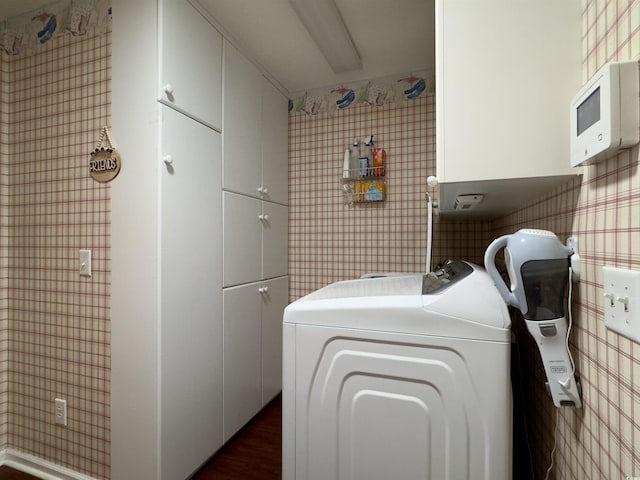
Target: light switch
column 621, row 302
column 85, row 263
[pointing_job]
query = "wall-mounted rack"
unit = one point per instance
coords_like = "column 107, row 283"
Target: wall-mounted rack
column 365, row 182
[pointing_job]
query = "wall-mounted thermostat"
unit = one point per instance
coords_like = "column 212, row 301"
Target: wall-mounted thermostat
column 605, row 114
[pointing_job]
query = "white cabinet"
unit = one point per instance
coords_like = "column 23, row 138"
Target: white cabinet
column 255, row 122
column 242, row 123
column 191, row 303
column 167, row 292
column 252, row 349
column 242, row 356
column 190, row 63
column 275, row 241
column 505, row 75
column 274, row 300
column 255, row 239
column 242, row 232
column 275, row 142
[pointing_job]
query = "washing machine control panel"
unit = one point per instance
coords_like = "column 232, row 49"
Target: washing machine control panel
column 442, row 278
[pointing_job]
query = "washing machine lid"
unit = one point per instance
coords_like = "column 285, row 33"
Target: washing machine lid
column 459, row 301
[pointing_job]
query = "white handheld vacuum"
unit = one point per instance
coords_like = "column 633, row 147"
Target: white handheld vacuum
column 538, row 265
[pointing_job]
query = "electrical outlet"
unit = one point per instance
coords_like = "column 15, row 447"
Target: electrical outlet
column 621, row 302
column 61, row 411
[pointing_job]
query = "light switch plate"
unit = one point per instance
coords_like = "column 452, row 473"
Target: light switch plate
column 621, row 302
column 85, row 263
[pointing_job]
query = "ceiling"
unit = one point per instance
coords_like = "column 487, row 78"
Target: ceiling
column 392, row 37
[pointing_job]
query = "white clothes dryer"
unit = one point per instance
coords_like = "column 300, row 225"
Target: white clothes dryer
column 403, row 378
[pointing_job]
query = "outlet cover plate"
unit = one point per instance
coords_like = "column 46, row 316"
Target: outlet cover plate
column 61, row 411
column 621, row 301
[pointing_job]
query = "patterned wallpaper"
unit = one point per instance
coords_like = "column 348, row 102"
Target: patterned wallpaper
column 603, row 211
column 54, row 329
column 330, row 240
column 26, row 33
column 382, row 91
column 54, row 324
column 4, row 252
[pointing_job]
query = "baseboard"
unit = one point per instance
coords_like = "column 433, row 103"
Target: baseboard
column 38, row 467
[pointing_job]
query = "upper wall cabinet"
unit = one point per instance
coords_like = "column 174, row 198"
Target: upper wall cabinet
column 275, row 140
column 242, row 123
column 505, row 73
column 255, row 131
column 190, row 63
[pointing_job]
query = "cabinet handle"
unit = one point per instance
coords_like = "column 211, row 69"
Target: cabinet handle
column 168, row 159
column 264, row 218
column 263, row 290
column 168, row 89
column 263, row 190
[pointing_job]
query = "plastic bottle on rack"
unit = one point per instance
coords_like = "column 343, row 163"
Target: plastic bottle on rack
column 353, row 162
column 379, row 157
column 346, row 165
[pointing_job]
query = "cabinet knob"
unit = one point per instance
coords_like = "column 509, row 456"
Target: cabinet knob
column 264, row 217
column 263, row 290
column 263, row 190
column 168, row 159
column 168, row 89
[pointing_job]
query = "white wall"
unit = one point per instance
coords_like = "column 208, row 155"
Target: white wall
column 135, row 284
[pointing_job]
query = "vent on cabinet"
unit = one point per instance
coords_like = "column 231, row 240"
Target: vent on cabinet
column 468, row 202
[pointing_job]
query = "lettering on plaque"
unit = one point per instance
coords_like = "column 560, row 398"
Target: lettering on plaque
column 104, row 164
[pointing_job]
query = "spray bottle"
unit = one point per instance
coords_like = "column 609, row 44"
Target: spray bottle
column 364, row 164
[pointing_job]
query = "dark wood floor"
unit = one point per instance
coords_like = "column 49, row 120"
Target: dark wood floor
column 8, row 473
column 253, row 454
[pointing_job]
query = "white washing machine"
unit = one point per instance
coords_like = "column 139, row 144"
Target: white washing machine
column 403, row 378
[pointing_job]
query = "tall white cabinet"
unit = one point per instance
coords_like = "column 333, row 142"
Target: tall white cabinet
column 190, row 238
column 255, row 234
column 191, row 305
column 195, row 352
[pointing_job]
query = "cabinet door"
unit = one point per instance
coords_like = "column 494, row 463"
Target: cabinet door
column 242, row 233
column 190, row 63
column 503, row 92
column 274, row 301
column 242, row 357
column 241, row 122
column 191, row 282
column 275, row 242
column 275, row 131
